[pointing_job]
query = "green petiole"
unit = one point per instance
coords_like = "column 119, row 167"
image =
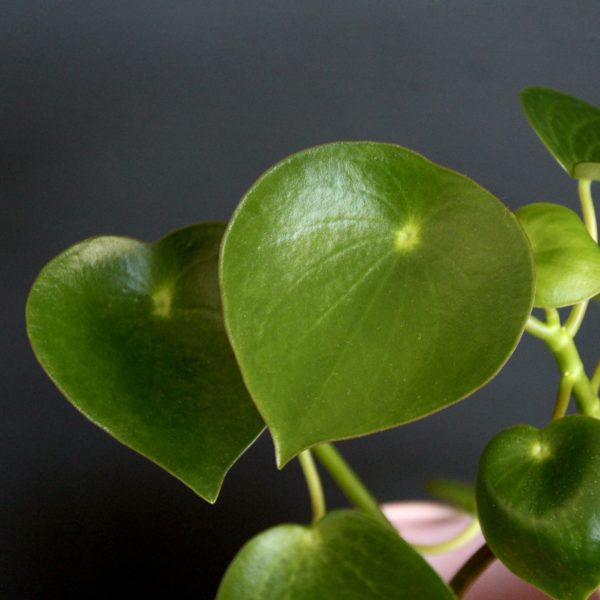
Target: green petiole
column 575, row 318
column 348, row 481
column 313, row 482
column 560, row 342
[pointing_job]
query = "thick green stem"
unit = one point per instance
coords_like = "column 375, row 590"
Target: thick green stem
column 560, row 342
column 471, row 570
column 575, row 318
column 565, row 389
column 348, row 481
column 313, row 482
column 567, row 357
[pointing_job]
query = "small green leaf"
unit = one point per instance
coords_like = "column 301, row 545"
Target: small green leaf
column 567, row 260
column 457, row 493
column 568, row 127
column 539, row 504
column 133, row 335
column 345, row 555
column 365, row 287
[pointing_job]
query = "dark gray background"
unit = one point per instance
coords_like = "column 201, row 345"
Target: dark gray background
column 136, row 118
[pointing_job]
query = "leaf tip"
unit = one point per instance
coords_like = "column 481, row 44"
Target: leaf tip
column 283, row 453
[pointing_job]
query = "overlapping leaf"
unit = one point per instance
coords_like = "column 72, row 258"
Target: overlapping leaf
column 133, row 335
column 365, row 286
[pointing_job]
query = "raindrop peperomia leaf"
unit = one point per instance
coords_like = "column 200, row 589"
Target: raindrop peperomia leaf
column 365, row 287
column 567, row 260
column 345, row 555
column 568, row 127
column 133, row 335
column 538, row 501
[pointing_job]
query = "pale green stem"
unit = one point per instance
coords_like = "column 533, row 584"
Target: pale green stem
column 348, row 481
column 565, row 388
column 575, row 318
column 459, row 540
column 560, row 342
column 587, row 207
column 595, row 381
column 313, row 482
column 552, row 317
column 536, row 327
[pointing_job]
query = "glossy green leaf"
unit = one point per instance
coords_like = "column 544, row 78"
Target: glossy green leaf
column 567, row 260
column 457, row 493
column 365, row 287
column 568, row 127
column 539, row 504
column 133, row 335
column 346, row 555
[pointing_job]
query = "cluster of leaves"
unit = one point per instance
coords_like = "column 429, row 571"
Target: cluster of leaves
column 351, row 292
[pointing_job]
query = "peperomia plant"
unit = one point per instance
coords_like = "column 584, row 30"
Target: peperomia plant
column 350, row 293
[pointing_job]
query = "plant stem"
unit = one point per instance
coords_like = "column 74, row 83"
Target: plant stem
column 560, row 342
column 348, row 481
column 313, row 482
column 595, row 381
column 552, row 317
column 471, row 570
column 565, row 388
column 466, row 535
column 587, row 207
column 536, row 327
column 575, row 318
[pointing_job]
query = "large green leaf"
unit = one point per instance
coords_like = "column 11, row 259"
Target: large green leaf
column 133, row 335
column 567, row 260
column 346, row 555
column 539, row 504
column 568, row 127
column 365, row 286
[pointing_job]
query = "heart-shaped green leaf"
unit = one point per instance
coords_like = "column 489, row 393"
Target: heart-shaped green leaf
column 567, row 260
column 365, row 286
column 345, row 555
column 539, row 504
column 568, row 127
column 133, row 335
